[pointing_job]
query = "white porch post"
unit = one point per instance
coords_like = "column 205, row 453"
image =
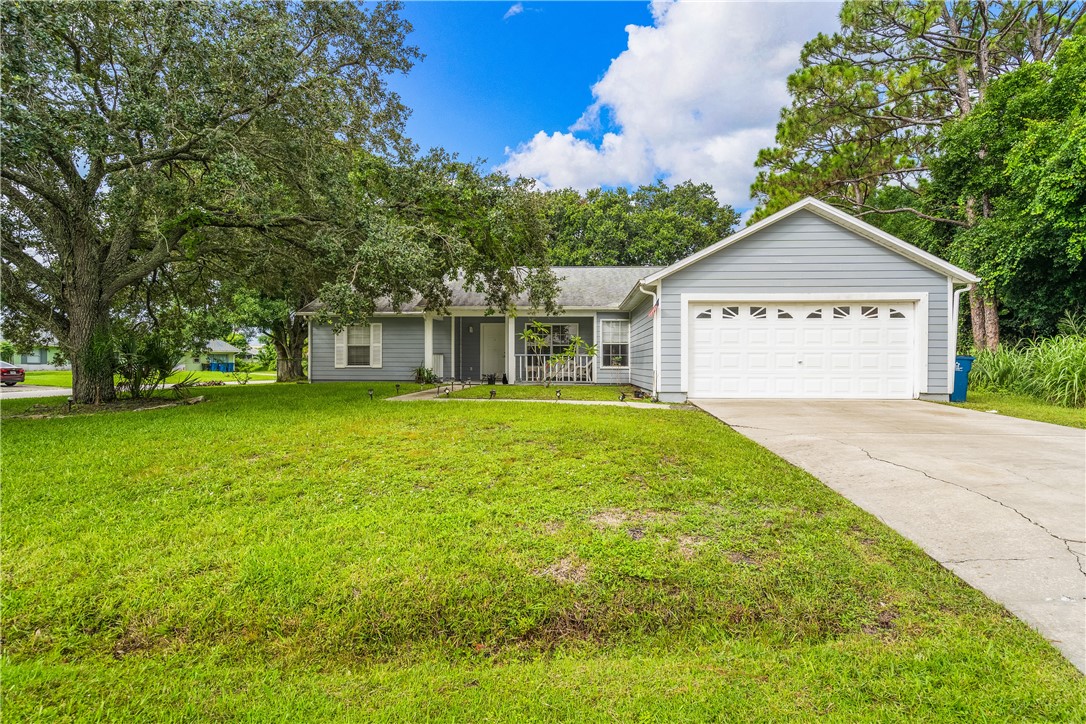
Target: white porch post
column 511, row 348
column 428, row 340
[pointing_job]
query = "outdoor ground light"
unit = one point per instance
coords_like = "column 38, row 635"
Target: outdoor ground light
column 397, row 388
column 493, row 394
column 558, row 394
column 621, row 396
column 371, row 393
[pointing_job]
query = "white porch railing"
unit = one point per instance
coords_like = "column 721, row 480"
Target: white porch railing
column 539, row 368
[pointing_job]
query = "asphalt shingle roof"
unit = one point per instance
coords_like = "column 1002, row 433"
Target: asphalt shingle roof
column 580, row 287
column 218, row 346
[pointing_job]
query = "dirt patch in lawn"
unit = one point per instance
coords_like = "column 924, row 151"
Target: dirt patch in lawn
column 568, row 570
column 617, row 517
column 743, row 559
column 884, row 622
column 554, row 526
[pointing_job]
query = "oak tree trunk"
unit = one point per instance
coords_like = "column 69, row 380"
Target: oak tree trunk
column 88, row 341
column 91, row 353
column 289, row 337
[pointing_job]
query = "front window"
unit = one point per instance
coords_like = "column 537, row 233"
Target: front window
column 556, row 341
column 615, row 342
column 358, row 346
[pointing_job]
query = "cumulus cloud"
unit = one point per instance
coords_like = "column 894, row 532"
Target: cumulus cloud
column 694, row 96
column 514, row 9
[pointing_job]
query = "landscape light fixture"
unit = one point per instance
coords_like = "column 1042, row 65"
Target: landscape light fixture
column 621, row 396
column 493, row 394
column 558, row 394
column 397, row 388
column 70, row 401
column 371, row 393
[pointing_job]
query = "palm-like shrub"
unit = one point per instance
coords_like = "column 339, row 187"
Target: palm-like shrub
column 143, row 363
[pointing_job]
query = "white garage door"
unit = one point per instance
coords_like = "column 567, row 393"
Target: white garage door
column 837, row 350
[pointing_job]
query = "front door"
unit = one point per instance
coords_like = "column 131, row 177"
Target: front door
column 492, row 349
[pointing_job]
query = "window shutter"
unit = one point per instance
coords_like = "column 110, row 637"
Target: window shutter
column 375, row 345
column 341, row 348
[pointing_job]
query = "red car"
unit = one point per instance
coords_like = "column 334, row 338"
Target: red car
column 10, row 374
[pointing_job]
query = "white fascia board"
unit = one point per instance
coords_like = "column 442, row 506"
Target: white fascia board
column 833, row 215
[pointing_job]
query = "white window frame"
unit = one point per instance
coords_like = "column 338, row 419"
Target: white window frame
column 603, row 342
column 376, row 339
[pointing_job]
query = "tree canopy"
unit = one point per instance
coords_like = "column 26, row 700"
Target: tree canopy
column 870, row 104
column 653, row 225
column 251, row 147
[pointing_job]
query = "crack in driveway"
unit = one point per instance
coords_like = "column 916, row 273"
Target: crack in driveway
column 1065, row 541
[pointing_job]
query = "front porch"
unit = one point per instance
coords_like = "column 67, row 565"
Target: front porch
column 483, row 348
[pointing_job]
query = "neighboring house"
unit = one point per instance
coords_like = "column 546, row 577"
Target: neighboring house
column 41, row 358
column 807, row 303
column 218, row 355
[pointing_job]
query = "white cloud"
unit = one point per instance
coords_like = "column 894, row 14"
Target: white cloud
column 514, row 9
column 693, row 96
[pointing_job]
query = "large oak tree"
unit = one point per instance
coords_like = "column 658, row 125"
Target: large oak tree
column 137, row 134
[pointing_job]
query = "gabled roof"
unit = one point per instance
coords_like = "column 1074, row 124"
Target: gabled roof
column 218, row 346
column 579, row 287
column 838, row 217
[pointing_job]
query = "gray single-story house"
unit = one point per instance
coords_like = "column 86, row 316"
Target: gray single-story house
column 808, row 303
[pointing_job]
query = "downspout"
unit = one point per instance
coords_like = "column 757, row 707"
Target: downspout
column 655, row 337
column 954, row 331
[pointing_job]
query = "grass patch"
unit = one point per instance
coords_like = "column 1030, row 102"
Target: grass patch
column 539, row 392
column 63, row 378
column 1024, row 406
column 299, row 552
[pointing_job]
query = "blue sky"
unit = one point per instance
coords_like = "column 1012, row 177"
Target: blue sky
column 586, row 94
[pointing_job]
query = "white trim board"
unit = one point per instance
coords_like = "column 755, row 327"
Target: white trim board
column 920, row 323
column 838, row 217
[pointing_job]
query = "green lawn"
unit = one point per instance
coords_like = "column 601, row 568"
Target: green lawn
column 539, row 392
column 301, row 553
column 63, row 378
column 1030, row 408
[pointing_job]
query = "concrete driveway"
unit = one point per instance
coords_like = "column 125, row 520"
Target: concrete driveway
column 998, row 500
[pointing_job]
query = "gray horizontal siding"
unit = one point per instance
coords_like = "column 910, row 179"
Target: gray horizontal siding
column 641, row 345
column 803, row 254
column 401, row 353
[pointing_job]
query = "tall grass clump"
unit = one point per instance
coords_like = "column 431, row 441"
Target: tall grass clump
column 1053, row 369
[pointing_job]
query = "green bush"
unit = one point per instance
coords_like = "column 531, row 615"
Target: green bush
column 1053, row 370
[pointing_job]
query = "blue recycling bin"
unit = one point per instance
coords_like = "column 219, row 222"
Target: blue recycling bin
column 962, row 364
column 229, row 366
